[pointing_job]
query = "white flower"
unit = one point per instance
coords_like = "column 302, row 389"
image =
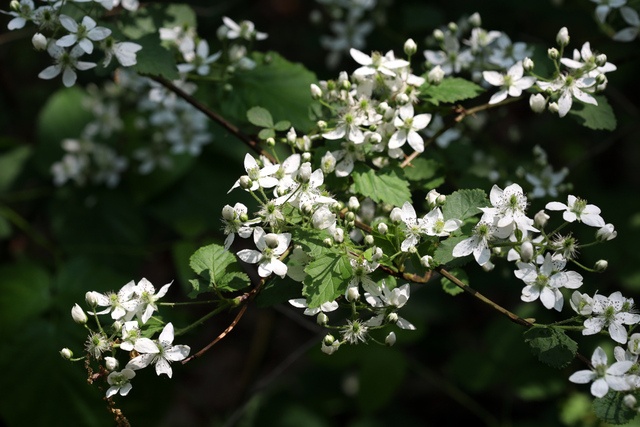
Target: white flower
column 407, row 126
column 120, row 382
column 603, row 376
column 376, row 63
column 267, row 256
column 361, row 270
column 329, row 345
column 509, row 206
column 513, row 83
column 259, row 177
column 83, row 34
column 630, row 33
column 581, row 303
column 130, row 335
column 327, row 307
column 578, row 209
column 612, row 312
column 570, row 87
column 308, row 192
column 546, row 181
column 478, row 243
column 201, row 60
column 245, row 30
column 161, row 353
column 147, row 298
column 414, row 227
column 588, row 60
column 66, row 62
column 451, row 60
column 125, row 52
column 395, row 300
column 97, row 343
column 231, row 218
column 119, row 305
column 606, row 232
column 25, row 13
column 605, row 6
column 348, row 127
column 434, row 224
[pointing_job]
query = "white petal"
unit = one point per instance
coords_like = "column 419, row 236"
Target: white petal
column 167, row 334
column 599, row 388
column 145, row 345
column 493, row 77
column 177, row 352
column 50, row 72
column 163, row 367
column 250, row 256
column 360, row 58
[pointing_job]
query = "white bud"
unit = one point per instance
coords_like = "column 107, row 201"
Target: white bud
column 111, row 363
column 328, row 339
column 382, row 107
column 526, row 251
column 291, row 136
column 321, row 124
column 553, row 108
column 435, row 76
column 441, row 199
column 475, row 20
column 78, row 315
column 328, row 163
column 403, row 98
column 368, row 240
column 222, row 31
column 392, row 317
column 375, row 138
column 634, row 344
column 228, row 213
column 426, row 261
column 629, row 401
column 601, row 79
column 350, row 216
column 40, row 42
column 307, row 208
column 383, row 228
column 438, row 35
column 330, row 348
column 353, row 203
column 271, row 142
column 537, row 103
column 338, row 235
column 601, row 265
column 390, row 340
column 306, row 157
column 327, row 242
column 606, row 233
column 304, row 173
column 14, row 5
column 316, row 92
column 553, row 53
column 66, row 353
column 563, row 36
column 117, row 325
column 488, row 266
column 353, row 294
column 322, row 319
column 410, row 47
column 271, row 240
column 527, row 64
column 91, row 298
column 376, row 254
column 432, row 199
column 396, row 215
column 245, row 182
column 323, row 218
column 601, row 60
column 540, row 219
column 452, row 26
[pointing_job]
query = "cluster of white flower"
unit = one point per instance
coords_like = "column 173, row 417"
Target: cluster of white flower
column 132, row 300
column 629, row 15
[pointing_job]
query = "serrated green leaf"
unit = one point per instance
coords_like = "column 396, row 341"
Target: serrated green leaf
column 463, row 204
column 421, row 169
column 218, row 268
column 443, row 254
column 260, row 117
column 282, row 125
column 597, row 117
column 551, row 345
column 383, row 185
column 451, row 288
column 612, row 410
column 310, row 240
column 452, row 89
column 155, row 60
column 327, row 279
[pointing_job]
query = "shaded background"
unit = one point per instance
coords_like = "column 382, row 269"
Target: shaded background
column 465, row 363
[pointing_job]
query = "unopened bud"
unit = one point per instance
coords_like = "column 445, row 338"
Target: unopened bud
column 368, row 240
column 396, row 215
column 111, row 363
column 78, row 315
column 435, row 76
column 304, row 173
column 629, row 401
column 601, row 265
column 66, row 353
column 601, row 60
column 488, row 266
column 328, row 243
column 350, row 216
column 601, row 79
column 244, row 217
column 438, row 35
column 271, row 240
column 245, row 182
column 91, row 298
column 328, row 339
column 432, row 199
column 426, row 261
column 40, row 42
column 383, row 228
column 563, row 37
column 353, row 294
column 537, row 103
column 412, row 250
column 410, row 47
column 553, row 108
column 392, row 317
column 307, row 208
column 322, row 319
column 305, row 157
column 402, row 98
column 606, row 233
column 316, row 92
column 328, row 163
column 291, row 136
column 441, row 199
column 353, row 203
column 338, row 235
column 376, row 254
column 221, row 32
column 526, row 251
column 527, row 64
column 14, row 5
column 346, row 85
column 390, row 340
column 117, row 325
column 321, row 124
column 553, row 53
column 271, row 142
column 540, row 219
column 452, row 26
column 228, row 213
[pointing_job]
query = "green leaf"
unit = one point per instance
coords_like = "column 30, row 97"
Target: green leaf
column 260, row 117
column 25, row 294
column 282, row 125
column 551, row 345
column 219, row 268
column 463, row 204
column 382, row 374
column 278, row 291
column 383, row 185
column 311, row 240
column 149, row 19
column 11, row 164
column 597, row 117
column 451, row 288
column 155, row 60
column 421, row 169
column 266, row 133
column 443, row 253
column 452, row 89
column 612, row 410
column 326, row 279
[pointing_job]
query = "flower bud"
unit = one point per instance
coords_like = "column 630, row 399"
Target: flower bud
column 601, row 79
column 410, row 47
column 271, row 142
column 432, row 199
column 374, row 138
column 271, row 240
column 553, row 53
column 537, row 103
column 307, row 208
column 353, row 203
column 452, row 26
column 117, row 325
column 14, row 5
column 563, row 37
column 435, row 76
column 412, row 250
column 368, row 240
column 322, row 319
column 353, row 294
column 228, row 87
column 475, row 20
column 488, row 266
column 402, row 99
column 66, row 353
column 350, row 216
column 383, row 228
column 601, row 265
column 228, row 213
column 316, row 92
column 111, row 363
column 426, row 261
column 221, row 32
column 245, row 182
column 91, row 298
column 396, row 215
column 338, row 235
column 601, row 60
column 634, row 344
column 329, row 345
column 346, row 85
column 78, row 315
column 323, row 218
column 390, row 340
column 304, row 173
column 328, row 243
column 322, row 125
column 553, row 108
column 438, row 35
column 526, row 251
column 376, row 254
column 328, row 163
column 291, row 136
column 606, row 233
column 629, row 401
column 392, row 317
column 527, row 64
column 40, row 42
column 305, row 157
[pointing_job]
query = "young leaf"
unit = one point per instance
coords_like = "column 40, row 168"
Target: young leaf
column 155, row 60
column 612, row 410
column 598, row 117
column 450, row 287
column 382, row 185
column 260, row 117
column 551, row 345
column 282, row 125
column 266, row 133
column 219, row 269
column 327, row 279
column 463, row 204
column 421, row 169
column 443, row 253
column 452, row 89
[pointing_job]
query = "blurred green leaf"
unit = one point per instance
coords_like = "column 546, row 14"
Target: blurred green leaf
column 452, row 89
column 612, row 410
column 444, row 252
column 551, row 345
column 597, row 117
column 25, row 294
column 11, row 164
column 155, row 60
column 260, row 117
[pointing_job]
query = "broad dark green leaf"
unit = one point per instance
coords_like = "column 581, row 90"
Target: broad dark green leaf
column 452, row 89
column 282, row 125
column 217, row 267
column 382, row 186
column 260, row 117
column 597, row 117
column 463, row 204
column 327, row 279
column 551, row 345
column 155, row 60
column 610, row 408
column 421, row 169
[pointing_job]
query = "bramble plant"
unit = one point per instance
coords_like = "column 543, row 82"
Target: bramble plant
column 348, row 207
